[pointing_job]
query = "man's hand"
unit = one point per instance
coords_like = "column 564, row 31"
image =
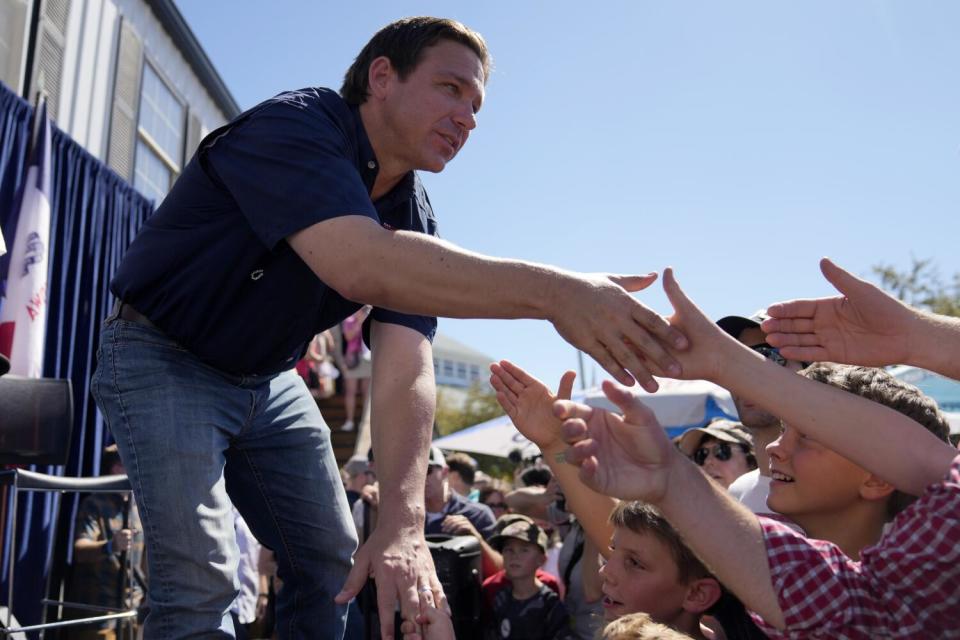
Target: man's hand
column 400, row 563
column 459, row 526
column 529, row 402
column 862, row 326
column 627, row 457
column 597, row 314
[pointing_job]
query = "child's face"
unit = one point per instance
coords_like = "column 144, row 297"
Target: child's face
column 521, row 559
column 810, row 480
column 641, row 576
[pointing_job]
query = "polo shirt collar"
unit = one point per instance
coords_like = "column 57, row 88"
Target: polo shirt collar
column 369, row 166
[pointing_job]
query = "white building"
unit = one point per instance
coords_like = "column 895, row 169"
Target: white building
column 126, row 79
column 457, row 367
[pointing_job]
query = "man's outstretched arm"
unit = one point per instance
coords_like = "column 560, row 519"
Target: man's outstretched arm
column 403, row 397
column 416, row 273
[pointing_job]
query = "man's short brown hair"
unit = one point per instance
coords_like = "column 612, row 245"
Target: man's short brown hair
column 879, row 386
column 643, row 518
column 403, row 43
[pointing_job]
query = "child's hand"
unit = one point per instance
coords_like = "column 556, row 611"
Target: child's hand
column 529, row 402
column 862, row 326
column 627, row 457
column 435, row 623
column 710, row 346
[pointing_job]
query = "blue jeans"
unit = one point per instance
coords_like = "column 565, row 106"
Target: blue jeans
column 193, row 440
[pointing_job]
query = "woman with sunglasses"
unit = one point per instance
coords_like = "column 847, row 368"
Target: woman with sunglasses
column 723, row 448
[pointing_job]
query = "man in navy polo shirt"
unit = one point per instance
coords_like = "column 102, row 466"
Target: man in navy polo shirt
column 283, row 223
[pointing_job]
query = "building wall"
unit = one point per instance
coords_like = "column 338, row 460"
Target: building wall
column 90, row 66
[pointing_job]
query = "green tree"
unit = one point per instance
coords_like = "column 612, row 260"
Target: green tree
column 479, row 406
column 921, row 286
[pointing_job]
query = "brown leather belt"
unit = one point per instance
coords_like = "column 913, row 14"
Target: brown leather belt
column 126, row 312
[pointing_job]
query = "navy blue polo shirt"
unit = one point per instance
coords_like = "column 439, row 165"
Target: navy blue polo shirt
column 211, row 267
column 479, row 515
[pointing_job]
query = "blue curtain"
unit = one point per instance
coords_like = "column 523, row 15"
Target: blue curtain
column 94, row 217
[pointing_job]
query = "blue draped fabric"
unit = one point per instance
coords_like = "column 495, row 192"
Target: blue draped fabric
column 94, row 217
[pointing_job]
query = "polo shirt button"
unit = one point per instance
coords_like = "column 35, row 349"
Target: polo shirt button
column 371, row 165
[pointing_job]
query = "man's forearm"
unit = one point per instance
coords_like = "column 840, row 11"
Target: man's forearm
column 724, row 534
column 416, row 273
column 403, row 396
column 936, row 345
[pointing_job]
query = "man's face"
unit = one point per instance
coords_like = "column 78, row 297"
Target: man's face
column 431, row 113
column 521, row 559
column 722, row 461
column 641, row 576
column 752, row 415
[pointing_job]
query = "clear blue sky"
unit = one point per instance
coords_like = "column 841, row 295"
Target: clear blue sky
column 737, row 141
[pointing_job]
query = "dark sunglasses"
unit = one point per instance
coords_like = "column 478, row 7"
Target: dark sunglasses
column 497, row 505
column 723, row 451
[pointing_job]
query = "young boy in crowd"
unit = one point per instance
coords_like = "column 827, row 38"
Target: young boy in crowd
column 528, row 609
column 649, row 569
column 906, row 586
column 828, row 495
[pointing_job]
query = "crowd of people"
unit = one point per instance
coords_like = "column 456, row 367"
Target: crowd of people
column 830, row 511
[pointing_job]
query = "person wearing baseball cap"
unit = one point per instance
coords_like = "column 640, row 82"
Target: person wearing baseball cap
column 529, row 608
column 723, row 448
column 753, row 487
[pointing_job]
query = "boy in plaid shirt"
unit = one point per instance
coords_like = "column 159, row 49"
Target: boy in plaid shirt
column 907, row 585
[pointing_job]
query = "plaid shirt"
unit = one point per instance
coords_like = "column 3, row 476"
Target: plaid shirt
column 905, row 586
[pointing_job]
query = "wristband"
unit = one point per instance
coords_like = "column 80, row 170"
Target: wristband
column 109, row 546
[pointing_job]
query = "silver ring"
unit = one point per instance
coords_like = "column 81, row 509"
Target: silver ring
column 426, row 590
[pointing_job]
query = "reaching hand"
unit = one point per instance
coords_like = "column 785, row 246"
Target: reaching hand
column 529, row 402
column 627, row 457
column 437, row 625
column 599, row 316
column 709, row 345
column 862, row 326
column 400, row 563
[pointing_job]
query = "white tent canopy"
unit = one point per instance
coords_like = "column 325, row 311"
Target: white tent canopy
column 678, row 405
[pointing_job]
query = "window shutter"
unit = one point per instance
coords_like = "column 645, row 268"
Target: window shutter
column 126, row 98
column 48, row 70
column 193, row 136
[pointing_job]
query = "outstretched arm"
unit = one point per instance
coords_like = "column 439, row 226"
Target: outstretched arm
column 529, row 403
column 863, row 325
column 416, row 273
column 879, row 439
column 396, row 554
column 631, row 457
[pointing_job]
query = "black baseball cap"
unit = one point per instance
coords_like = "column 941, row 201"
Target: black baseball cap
column 734, row 325
column 4, row 364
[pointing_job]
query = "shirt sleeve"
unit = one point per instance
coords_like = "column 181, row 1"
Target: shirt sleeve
column 289, row 165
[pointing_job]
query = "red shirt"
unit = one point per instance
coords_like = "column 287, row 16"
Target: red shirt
column 905, row 586
column 498, row 581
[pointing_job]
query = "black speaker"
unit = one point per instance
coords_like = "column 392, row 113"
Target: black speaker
column 36, row 420
column 457, row 560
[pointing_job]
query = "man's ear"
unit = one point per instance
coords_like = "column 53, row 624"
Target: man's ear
column 875, row 488
column 379, row 76
column 702, row 594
